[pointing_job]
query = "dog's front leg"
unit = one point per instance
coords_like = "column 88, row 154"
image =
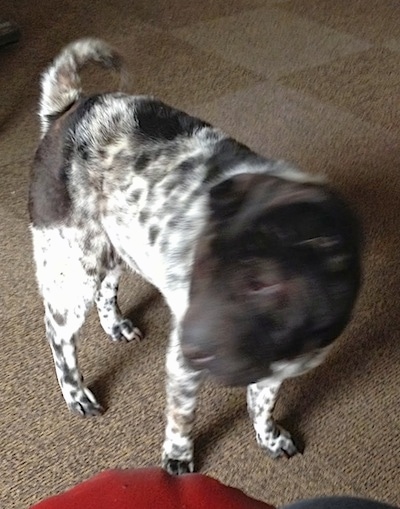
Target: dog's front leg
column 111, row 319
column 272, row 438
column 183, row 385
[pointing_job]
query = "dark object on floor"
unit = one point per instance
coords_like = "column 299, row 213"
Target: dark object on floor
column 9, row 33
column 338, row 503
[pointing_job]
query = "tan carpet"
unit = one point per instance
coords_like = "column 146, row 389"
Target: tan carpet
column 313, row 81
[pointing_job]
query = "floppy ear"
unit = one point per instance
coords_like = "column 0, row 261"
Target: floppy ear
column 227, row 196
column 265, row 193
column 261, row 192
column 320, row 216
column 275, row 191
column 286, row 193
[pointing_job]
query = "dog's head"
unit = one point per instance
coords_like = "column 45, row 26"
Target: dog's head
column 275, row 277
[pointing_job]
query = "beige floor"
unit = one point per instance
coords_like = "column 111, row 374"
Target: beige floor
column 313, row 81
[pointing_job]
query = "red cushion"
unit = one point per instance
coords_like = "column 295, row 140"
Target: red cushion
column 150, row 488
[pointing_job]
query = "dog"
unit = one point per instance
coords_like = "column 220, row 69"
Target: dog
column 258, row 262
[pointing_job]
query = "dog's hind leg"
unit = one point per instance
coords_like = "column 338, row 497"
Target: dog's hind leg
column 271, row 437
column 111, row 319
column 68, row 281
column 183, row 385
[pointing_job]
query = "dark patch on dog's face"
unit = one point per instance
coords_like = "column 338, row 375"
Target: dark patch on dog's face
column 276, row 275
column 159, row 122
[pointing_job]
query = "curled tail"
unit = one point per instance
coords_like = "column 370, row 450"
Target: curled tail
column 61, row 84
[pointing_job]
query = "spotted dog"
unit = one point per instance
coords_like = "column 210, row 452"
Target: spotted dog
column 258, row 262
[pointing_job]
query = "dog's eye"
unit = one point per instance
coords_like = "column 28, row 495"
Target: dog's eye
column 320, row 242
column 336, row 261
column 264, row 288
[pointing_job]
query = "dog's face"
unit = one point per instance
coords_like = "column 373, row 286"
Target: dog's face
column 276, row 275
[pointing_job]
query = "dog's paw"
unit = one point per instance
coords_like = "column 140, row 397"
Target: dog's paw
column 278, row 443
column 177, row 453
column 84, row 404
column 124, row 330
column 177, row 467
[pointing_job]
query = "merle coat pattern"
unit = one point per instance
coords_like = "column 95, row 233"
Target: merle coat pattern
column 258, row 262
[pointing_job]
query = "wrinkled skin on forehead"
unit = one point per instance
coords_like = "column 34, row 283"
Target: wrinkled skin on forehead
column 276, row 276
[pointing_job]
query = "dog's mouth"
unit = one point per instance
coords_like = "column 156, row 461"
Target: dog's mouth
column 240, row 377
column 202, row 361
